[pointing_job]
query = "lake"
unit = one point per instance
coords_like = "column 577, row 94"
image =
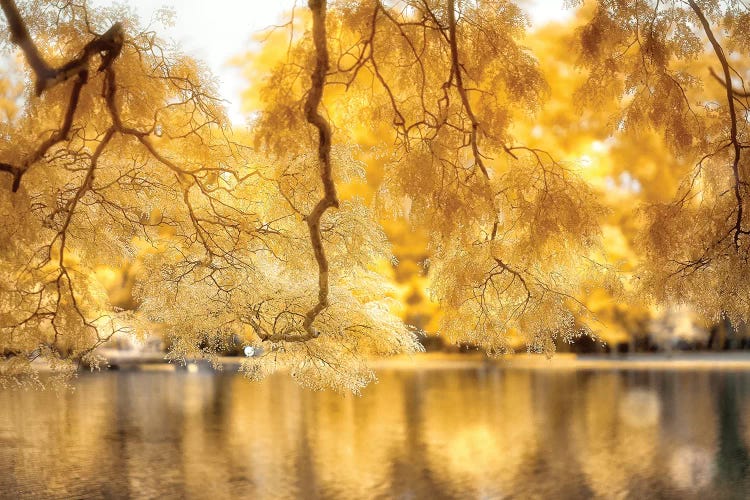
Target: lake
column 483, row 432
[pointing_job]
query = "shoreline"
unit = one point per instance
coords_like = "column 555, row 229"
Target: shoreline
column 449, row 361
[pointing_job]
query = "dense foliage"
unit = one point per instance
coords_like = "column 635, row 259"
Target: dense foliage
column 432, row 112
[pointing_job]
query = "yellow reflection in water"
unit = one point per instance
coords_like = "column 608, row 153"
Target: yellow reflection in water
column 475, row 433
column 480, row 432
column 620, row 428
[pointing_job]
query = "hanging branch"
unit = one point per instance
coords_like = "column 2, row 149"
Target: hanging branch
column 733, row 134
column 330, row 199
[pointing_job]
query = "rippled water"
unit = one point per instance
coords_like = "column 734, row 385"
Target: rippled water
column 474, row 433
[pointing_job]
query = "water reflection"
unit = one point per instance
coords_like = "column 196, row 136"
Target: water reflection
column 484, row 433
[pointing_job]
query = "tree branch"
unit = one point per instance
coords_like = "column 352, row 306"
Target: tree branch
column 19, row 35
column 456, row 73
column 330, row 198
column 737, row 93
column 108, row 46
column 737, row 229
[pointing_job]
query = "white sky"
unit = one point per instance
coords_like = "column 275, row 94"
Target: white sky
column 214, row 31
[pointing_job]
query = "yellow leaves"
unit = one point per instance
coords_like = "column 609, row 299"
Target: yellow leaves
column 739, row 37
column 514, row 172
column 163, row 194
column 549, row 207
column 394, row 81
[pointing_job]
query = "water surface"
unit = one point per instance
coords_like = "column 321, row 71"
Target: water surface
column 471, row 433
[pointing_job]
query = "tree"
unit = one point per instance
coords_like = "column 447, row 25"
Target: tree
column 513, row 229
column 678, row 69
column 123, row 146
column 120, row 147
